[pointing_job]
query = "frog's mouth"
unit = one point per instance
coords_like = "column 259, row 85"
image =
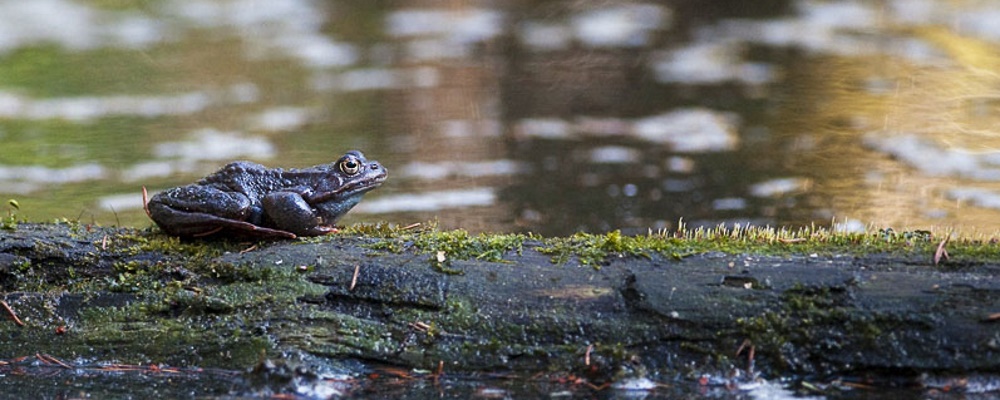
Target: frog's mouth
column 352, row 188
column 334, row 205
column 363, row 185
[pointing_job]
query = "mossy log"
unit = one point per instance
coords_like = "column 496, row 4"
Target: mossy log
column 138, row 296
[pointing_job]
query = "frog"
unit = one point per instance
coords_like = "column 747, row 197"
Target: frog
column 247, row 198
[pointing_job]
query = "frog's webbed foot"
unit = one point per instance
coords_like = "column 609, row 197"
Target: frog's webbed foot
column 325, row 230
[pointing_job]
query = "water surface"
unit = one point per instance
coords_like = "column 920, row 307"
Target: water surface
column 493, row 116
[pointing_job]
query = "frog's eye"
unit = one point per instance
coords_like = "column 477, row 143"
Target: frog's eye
column 350, row 166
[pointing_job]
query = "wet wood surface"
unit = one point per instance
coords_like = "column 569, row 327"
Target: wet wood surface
column 116, row 294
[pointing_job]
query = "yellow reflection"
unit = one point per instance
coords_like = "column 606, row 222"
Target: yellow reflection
column 947, row 103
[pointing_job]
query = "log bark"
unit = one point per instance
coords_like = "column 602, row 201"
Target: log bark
column 137, row 296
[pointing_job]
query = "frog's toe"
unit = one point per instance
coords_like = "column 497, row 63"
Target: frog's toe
column 318, row 230
column 268, row 232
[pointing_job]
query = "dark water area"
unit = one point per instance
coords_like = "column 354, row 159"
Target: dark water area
column 548, row 117
column 55, row 382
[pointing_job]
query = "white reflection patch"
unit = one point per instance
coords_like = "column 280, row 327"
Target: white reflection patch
column 543, row 128
column 376, row 79
column 685, row 130
column 88, row 108
column 119, row 202
column 729, row 203
column 850, row 226
column 281, row 119
column 78, row 173
column 620, row 26
column 711, row 63
column 429, row 201
column 27, row 179
column 638, row 384
column 210, row 144
column 977, row 196
column 932, row 158
column 779, row 187
column 441, row 34
column 690, row 130
column 368, row 79
column 472, row 169
column 615, row 155
column 70, row 24
column 158, row 169
column 761, row 389
column 290, row 27
column 463, row 26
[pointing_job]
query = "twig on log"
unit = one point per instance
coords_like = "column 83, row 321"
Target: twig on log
column 10, row 312
column 354, row 279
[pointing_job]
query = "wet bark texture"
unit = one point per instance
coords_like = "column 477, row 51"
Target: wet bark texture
column 119, row 296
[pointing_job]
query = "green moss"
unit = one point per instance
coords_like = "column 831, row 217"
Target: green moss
column 442, row 247
column 133, row 277
column 806, row 316
column 132, row 335
column 191, row 295
column 135, row 242
column 9, row 222
column 595, row 250
column 384, row 229
column 186, row 307
column 590, row 249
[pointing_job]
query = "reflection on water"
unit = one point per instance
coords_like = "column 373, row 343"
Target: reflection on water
column 550, row 117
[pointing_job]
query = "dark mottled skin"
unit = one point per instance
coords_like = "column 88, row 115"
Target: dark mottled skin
column 249, row 198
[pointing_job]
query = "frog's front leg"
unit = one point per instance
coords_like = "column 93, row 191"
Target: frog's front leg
column 290, row 212
column 198, row 211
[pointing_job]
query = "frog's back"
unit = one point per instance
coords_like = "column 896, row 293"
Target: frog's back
column 245, row 177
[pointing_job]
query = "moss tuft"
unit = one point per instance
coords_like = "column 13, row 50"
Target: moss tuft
column 597, row 249
column 442, row 247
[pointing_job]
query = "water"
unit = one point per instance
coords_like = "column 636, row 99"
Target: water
column 547, row 118
column 551, row 118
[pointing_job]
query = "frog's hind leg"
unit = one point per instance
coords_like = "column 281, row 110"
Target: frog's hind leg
column 201, row 211
column 198, row 224
column 247, row 227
